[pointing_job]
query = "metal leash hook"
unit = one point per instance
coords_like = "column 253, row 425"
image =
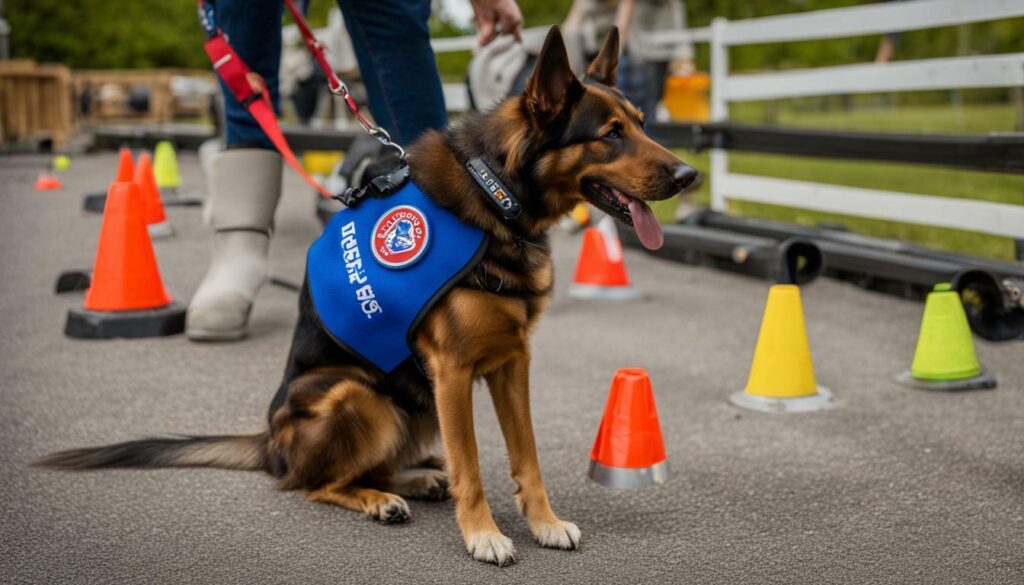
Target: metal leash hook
column 335, row 84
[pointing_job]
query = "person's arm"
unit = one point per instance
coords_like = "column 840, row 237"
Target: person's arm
column 623, row 18
column 494, row 16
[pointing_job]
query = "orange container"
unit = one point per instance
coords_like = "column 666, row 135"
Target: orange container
column 686, row 97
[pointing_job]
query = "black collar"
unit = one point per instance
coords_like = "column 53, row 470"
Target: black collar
column 497, row 193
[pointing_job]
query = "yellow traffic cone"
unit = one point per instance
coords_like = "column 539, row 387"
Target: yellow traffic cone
column 782, row 375
column 944, row 358
column 165, row 166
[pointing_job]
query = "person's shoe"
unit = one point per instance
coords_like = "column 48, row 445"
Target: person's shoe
column 245, row 185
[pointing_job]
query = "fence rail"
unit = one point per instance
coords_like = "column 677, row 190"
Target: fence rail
column 927, row 74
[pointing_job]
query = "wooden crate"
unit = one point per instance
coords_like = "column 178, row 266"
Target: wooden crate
column 118, row 84
column 35, row 102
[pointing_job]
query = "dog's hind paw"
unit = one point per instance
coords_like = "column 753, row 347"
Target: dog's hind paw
column 560, row 534
column 491, row 547
column 391, row 510
column 423, row 484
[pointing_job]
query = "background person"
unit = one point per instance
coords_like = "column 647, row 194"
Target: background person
column 392, row 45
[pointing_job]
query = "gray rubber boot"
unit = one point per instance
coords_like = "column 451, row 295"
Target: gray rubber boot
column 245, row 185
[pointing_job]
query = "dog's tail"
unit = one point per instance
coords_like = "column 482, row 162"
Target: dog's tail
column 248, row 452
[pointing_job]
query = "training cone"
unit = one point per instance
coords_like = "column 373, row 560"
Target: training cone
column 601, row 270
column 125, row 166
column 944, row 358
column 156, row 219
column 127, row 296
column 94, row 202
column 629, row 451
column 782, row 374
column 47, row 181
column 165, row 167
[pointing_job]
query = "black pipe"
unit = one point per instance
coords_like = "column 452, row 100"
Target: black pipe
column 794, row 261
column 994, row 307
column 992, row 291
column 781, row 231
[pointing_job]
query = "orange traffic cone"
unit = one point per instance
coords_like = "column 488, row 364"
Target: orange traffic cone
column 127, row 297
column 47, row 181
column 156, row 219
column 600, row 270
column 125, row 167
column 94, row 202
column 629, row 451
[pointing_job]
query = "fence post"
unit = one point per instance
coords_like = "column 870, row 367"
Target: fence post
column 719, row 110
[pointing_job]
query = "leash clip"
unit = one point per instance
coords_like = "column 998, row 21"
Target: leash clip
column 379, row 187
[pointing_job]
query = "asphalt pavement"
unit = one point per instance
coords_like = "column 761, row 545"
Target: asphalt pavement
column 894, row 486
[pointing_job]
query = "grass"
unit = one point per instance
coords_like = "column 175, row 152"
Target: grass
column 937, row 181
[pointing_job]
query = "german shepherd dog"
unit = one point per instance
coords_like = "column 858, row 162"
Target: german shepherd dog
column 361, row 440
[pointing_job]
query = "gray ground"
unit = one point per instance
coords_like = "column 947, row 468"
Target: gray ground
column 896, row 485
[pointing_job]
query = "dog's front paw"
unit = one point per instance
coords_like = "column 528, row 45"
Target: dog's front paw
column 391, row 509
column 560, row 534
column 491, row 547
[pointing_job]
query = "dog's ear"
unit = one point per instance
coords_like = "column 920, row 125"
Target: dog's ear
column 605, row 66
column 553, row 86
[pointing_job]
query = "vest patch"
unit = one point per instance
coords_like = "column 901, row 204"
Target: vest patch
column 380, row 266
column 401, row 236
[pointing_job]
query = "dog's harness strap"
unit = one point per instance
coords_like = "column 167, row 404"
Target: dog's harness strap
column 496, row 191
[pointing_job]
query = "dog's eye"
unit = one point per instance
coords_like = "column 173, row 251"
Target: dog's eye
column 612, row 134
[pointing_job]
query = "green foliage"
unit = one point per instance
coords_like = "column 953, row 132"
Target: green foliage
column 98, row 34
column 164, row 33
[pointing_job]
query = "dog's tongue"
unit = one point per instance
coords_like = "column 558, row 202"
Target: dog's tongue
column 646, row 225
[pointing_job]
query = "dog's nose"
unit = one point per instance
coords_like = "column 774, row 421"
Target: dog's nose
column 684, row 175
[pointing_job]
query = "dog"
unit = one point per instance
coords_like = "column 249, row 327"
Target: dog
column 350, row 436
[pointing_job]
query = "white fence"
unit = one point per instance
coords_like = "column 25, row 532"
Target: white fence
column 927, row 74
column 950, row 73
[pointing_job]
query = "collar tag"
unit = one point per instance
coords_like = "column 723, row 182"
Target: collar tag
column 500, row 195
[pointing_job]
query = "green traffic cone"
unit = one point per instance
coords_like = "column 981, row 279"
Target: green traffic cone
column 165, row 166
column 944, row 358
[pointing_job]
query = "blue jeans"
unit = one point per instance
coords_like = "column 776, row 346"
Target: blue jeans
column 392, row 45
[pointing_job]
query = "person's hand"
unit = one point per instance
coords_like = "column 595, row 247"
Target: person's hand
column 494, row 16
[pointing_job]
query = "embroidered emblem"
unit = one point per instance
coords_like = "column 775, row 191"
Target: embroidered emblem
column 400, row 236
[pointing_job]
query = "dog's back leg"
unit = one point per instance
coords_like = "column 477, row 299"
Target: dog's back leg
column 332, row 433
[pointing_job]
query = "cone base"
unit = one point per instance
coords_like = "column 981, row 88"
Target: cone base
column 84, row 324
column 183, row 202
column 94, row 202
column 823, row 400
column 980, row 382
column 160, row 230
column 628, row 477
column 604, row 293
column 73, row 281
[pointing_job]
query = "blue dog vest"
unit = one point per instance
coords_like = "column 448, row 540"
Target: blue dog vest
column 379, row 267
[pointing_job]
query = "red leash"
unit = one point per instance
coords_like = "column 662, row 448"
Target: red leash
column 239, row 78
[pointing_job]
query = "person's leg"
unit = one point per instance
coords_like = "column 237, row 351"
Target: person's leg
column 244, row 183
column 253, row 29
column 392, row 45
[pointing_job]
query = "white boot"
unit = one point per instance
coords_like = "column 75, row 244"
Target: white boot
column 245, row 185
